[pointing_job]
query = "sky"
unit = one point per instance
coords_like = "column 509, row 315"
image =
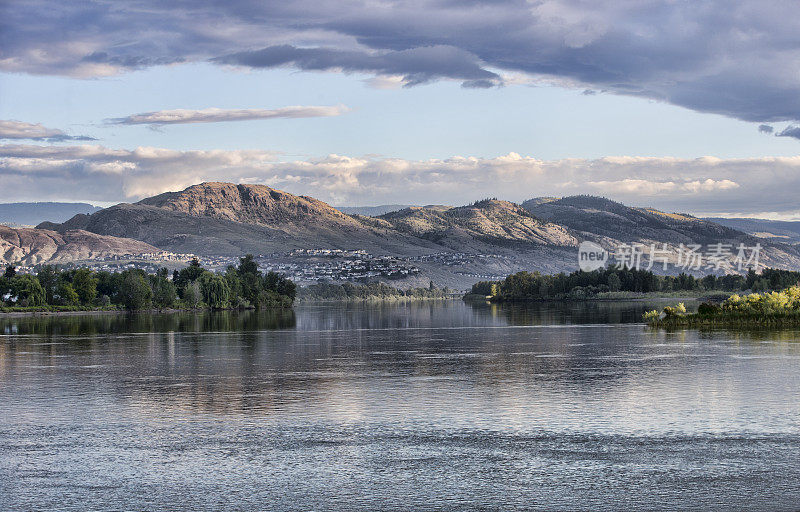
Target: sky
column 682, row 106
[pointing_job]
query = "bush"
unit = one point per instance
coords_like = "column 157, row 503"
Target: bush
column 678, row 310
column 651, row 316
column 708, row 309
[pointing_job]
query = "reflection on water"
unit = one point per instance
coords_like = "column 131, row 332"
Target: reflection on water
column 436, row 405
column 116, row 322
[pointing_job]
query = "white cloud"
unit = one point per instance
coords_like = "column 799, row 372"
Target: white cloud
column 217, row 115
column 34, row 131
column 703, row 185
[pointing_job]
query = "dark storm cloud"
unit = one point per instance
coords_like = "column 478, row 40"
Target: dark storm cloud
column 790, row 131
column 416, row 65
column 738, row 59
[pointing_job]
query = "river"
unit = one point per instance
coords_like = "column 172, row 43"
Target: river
column 420, row 406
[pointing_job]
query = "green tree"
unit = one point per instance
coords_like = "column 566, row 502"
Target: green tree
column 65, row 294
column 234, row 285
column 192, row 297
column 216, row 292
column 5, row 289
column 134, row 292
column 28, row 291
column 250, row 280
column 10, row 271
column 247, row 265
column 287, row 288
column 48, row 278
column 614, row 283
column 85, row 284
column 164, row 293
column 187, row 275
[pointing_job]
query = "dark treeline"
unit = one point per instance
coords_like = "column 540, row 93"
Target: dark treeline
column 352, row 291
column 581, row 285
column 193, row 287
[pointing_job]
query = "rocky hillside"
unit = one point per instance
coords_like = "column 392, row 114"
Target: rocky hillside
column 178, row 222
column 31, row 246
column 489, row 237
column 600, row 217
column 611, row 224
column 490, row 221
column 250, row 204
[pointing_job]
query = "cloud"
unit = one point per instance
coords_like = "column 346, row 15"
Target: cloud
column 790, row 131
column 707, row 186
column 30, row 131
column 736, row 59
column 415, row 65
column 217, row 115
column 765, row 128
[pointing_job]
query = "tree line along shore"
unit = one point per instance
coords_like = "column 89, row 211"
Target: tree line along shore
column 240, row 287
column 613, row 282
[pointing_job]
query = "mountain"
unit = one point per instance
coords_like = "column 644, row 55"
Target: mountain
column 610, row 224
column 454, row 246
column 490, row 222
column 224, row 219
column 372, row 211
column 787, row 231
column 605, row 218
column 250, row 204
column 29, row 246
column 30, row 214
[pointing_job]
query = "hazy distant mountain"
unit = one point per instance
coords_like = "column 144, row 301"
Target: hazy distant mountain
column 788, row 231
column 31, row 214
column 611, row 223
column 455, row 246
column 372, row 211
column 31, row 246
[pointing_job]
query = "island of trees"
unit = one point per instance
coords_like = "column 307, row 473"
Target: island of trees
column 193, row 287
column 766, row 309
column 582, row 285
column 367, row 292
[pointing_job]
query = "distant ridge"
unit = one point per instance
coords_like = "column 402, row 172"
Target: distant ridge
column 785, row 230
column 373, row 211
column 31, row 214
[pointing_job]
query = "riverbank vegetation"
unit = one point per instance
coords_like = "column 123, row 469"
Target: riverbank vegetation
column 239, row 287
column 767, row 309
column 611, row 281
column 367, row 292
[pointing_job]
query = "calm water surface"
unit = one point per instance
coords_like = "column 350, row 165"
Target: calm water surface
column 428, row 406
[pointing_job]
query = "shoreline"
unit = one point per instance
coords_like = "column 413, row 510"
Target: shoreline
column 77, row 312
column 391, row 300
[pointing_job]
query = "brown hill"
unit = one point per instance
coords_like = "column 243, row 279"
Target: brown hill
column 31, row 246
column 489, row 221
column 491, row 237
column 611, row 224
column 250, row 204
